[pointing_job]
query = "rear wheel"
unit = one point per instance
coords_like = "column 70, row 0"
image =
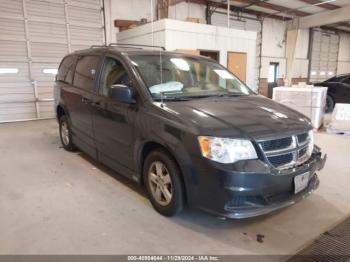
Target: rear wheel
column 163, row 183
column 329, row 104
column 65, row 134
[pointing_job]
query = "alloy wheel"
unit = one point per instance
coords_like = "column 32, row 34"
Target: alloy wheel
column 65, row 133
column 160, row 183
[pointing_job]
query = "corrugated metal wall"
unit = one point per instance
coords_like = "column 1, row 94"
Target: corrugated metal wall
column 220, row 19
column 323, row 55
column 35, row 35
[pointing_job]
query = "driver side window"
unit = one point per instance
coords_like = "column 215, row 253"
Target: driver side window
column 113, row 73
column 347, row 81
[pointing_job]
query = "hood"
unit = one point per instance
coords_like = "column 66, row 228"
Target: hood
column 244, row 116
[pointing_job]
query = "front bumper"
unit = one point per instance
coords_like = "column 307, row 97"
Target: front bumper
column 253, row 189
column 257, row 210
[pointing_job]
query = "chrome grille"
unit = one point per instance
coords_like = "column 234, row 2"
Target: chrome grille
column 302, row 152
column 286, row 152
column 276, row 144
column 281, row 160
column 302, row 138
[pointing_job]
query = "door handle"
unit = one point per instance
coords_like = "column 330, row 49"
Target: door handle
column 86, row 100
column 98, row 106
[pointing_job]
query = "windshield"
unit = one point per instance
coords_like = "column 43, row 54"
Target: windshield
column 172, row 76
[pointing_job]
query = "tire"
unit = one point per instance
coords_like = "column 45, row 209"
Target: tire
column 65, row 134
column 329, row 104
column 161, row 177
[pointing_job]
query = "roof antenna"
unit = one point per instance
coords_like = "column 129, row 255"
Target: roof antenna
column 152, row 26
column 162, row 99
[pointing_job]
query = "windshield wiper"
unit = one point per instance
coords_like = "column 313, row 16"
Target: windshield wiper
column 231, row 94
column 174, row 98
column 219, row 95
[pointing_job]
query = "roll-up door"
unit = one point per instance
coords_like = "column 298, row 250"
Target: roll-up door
column 323, row 55
column 35, row 35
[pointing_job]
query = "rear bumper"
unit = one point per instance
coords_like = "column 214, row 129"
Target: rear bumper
column 254, row 189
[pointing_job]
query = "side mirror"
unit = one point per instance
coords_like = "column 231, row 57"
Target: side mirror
column 121, row 93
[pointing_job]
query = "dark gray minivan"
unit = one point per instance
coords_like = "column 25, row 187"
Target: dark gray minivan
column 187, row 129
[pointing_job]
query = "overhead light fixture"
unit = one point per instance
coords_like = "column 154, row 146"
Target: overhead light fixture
column 180, row 64
column 8, row 70
column 52, row 71
column 224, row 74
column 325, row 2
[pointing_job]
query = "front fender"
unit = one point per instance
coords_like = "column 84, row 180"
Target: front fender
column 170, row 135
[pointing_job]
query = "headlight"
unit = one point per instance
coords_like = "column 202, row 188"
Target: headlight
column 226, row 150
column 310, row 147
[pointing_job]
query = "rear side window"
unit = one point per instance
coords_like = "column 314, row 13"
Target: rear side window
column 347, row 81
column 66, row 71
column 86, row 72
column 336, row 79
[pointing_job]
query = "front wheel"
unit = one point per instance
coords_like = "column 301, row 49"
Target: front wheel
column 329, row 104
column 65, row 134
column 162, row 179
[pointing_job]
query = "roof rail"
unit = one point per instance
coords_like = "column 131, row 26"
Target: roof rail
column 345, row 74
column 128, row 46
column 97, row 46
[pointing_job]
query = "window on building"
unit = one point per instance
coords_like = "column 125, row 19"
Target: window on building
column 273, row 72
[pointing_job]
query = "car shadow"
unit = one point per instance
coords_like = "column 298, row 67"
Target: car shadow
column 284, row 231
column 187, row 214
column 138, row 188
column 281, row 232
column 257, row 231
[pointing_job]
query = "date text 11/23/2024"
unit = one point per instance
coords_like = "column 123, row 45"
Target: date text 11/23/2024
column 173, row 258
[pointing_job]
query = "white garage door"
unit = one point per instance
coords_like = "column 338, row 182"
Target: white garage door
column 35, row 35
column 324, row 55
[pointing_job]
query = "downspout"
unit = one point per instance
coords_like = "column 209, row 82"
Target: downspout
column 104, row 21
column 261, row 43
column 228, row 13
column 207, row 14
column 309, row 53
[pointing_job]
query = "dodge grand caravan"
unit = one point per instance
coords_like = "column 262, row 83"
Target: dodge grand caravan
column 187, row 129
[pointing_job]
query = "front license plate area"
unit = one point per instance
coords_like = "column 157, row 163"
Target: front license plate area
column 301, row 182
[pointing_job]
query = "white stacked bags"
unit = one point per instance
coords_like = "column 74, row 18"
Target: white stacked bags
column 306, row 99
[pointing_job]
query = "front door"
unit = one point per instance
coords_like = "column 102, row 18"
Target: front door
column 215, row 55
column 343, row 92
column 273, row 77
column 237, row 64
column 113, row 120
